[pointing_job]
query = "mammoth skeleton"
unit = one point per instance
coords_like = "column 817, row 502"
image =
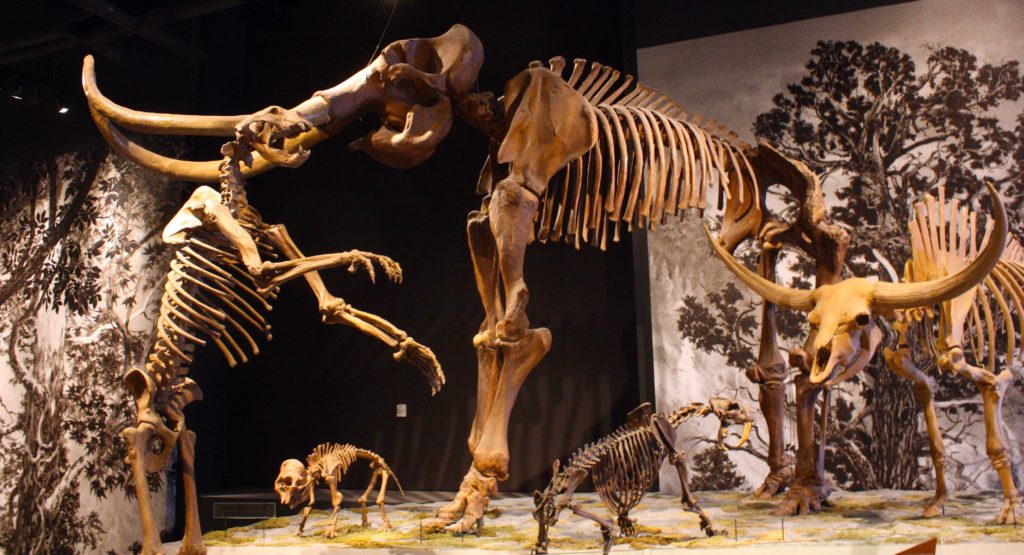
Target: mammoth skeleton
column 221, row 279
column 573, row 158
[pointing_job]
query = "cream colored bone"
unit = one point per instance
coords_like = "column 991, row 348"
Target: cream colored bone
column 221, row 246
column 329, row 463
column 944, row 240
column 841, row 315
column 414, row 119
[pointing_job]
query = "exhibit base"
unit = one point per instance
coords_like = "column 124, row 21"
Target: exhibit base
column 856, row 523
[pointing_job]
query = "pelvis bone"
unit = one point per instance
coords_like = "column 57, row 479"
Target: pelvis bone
column 163, row 411
column 841, row 315
column 410, row 86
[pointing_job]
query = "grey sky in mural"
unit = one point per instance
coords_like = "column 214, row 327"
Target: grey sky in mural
column 733, row 78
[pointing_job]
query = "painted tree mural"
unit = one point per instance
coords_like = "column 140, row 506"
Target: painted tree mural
column 881, row 129
column 80, row 262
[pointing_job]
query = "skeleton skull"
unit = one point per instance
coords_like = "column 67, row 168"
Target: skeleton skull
column 730, row 413
column 292, row 483
column 410, row 85
column 841, row 315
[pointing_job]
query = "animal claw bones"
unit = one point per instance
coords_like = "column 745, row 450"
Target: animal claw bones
column 413, row 124
column 843, row 336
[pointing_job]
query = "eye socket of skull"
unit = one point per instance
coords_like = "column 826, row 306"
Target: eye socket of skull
column 863, row 319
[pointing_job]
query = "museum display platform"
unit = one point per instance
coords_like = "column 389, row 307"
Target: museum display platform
column 882, row 522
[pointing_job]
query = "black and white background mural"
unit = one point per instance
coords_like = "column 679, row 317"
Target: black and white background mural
column 81, row 262
column 885, row 105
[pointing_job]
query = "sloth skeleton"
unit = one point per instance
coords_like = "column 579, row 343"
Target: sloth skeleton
column 218, row 285
column 624, row 464
column 329, row 462
column 943, row 240
column 219, row 272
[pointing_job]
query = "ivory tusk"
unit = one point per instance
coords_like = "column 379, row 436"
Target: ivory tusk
column 151, row 122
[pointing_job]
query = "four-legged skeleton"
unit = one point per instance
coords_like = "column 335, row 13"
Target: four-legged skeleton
column 329, row 462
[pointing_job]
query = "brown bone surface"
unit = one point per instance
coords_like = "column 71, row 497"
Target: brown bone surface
column 329, row 462
column 624, row 464
column 944, row 239
column 410, row 86
column 573, row 158
column 222, row 278
column 844, row 335
column 826, row 243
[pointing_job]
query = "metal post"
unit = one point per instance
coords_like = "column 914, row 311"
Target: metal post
column 783, row 524
column 735, row 531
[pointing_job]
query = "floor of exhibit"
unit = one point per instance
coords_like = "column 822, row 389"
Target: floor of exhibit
column 856, row 523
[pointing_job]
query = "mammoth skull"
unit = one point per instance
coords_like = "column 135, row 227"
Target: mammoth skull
column 292, row 483
column 844, row 335
column 410, row 86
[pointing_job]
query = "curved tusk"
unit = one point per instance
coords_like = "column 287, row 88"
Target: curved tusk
column 200, row 172
column 723, row 432
column 891, row 296
column 150, row 122
column 793, row 299
column 746, row 435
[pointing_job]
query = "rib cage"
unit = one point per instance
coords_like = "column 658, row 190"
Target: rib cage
column 207, row 296
column 944, row 239
column 624, row 473
column 623, row 464
column 327, row 457
column 651, row 160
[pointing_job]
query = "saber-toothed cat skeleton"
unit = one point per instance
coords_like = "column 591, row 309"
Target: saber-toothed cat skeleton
column 223, row 244
column 329, row 462
column 624, row 464
column 943, row 238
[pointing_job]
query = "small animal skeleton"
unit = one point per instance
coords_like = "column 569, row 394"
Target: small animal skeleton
column 623, row 466
column 329, row 462
column 943, row 240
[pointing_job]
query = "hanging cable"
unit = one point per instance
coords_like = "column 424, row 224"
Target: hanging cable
column 384, row 33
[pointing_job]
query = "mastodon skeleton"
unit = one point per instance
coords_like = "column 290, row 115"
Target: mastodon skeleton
column 329, row 462
column 575, row 158
column 624, row 464
column 410, row 85
column 944, row 239
column 218, row 289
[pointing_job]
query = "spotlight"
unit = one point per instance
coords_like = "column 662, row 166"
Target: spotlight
column 18, row 93
column 62, row 106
